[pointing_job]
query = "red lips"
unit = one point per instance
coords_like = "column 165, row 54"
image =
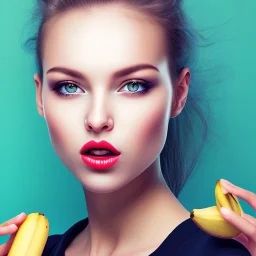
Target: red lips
column 100, row 145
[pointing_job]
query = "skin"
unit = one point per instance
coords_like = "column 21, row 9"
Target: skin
column 98, row 42
column 246, row 223
column 136, row 179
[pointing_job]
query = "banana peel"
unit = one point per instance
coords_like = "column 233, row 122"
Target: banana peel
column 31, row 236
column 210, row 219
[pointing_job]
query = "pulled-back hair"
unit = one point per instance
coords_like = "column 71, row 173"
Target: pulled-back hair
column 179, row 155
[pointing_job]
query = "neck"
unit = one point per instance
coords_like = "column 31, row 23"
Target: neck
column 133, row 213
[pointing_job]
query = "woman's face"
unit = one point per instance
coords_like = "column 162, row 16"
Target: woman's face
column 99, row 105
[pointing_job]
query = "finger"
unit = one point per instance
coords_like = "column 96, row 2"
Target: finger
column 5, row 248
column 249, row 218
column 6, row 230
column 239, row 222
column 17, row 219
column 244, row 194
column 242, row 238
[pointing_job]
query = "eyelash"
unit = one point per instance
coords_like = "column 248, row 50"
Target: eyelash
column 147, row 86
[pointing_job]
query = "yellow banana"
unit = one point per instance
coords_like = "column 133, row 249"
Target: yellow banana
column 210, row 219
column 229, row 200
column 31, row 237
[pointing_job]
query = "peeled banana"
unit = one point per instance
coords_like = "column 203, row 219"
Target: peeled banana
column 31, row 237
column 210, row 219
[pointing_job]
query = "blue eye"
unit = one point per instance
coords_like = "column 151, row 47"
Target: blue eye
column 134, row 85
column 69, row 89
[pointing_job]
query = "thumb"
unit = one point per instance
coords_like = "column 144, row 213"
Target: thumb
column 242, row 238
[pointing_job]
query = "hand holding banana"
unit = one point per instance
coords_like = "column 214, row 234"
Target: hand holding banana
column 30, row 238
column 227, row 219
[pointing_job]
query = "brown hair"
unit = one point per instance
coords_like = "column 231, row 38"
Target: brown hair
column 176, row 161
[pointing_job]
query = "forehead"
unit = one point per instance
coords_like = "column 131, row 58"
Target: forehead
column 105, row 37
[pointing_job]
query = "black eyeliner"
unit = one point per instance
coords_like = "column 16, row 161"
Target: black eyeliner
column 146, row 84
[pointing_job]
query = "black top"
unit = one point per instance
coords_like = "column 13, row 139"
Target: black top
column 187, row 239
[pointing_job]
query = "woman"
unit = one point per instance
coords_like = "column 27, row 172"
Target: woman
column 116, row 72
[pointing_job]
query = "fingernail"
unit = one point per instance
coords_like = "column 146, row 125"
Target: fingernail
column 225, row 210
column 12, row 226
column 225, row 182
column 223, row 187
column 19, row 214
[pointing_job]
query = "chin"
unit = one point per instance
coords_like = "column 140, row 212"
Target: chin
column 101, row 189
column 101, row 184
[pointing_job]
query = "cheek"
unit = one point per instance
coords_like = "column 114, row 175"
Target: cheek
column 62, row 124
column 55, row 132
column 152, row 130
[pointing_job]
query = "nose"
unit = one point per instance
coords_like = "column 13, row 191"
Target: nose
column 97, row 126
column 98, row 120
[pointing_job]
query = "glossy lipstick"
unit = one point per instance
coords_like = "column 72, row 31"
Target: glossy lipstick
column 99, row 162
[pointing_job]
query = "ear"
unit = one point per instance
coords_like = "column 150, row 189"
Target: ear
column 39, row 101
column 180, row 92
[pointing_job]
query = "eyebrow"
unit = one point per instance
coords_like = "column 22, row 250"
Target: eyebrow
column 117, row 74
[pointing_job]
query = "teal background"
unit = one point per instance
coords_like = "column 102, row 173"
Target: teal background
column 34, row 179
